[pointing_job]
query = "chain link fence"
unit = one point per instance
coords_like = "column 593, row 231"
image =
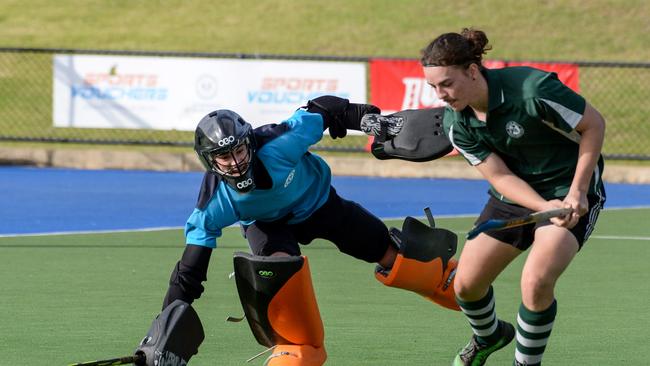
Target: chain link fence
column 620, row 91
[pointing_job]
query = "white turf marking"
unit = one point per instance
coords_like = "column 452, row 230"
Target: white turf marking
column 603, row 237
column 86, row 232
column 92, row 232
column 461, row 233
column 619, row 237
column 626, row 208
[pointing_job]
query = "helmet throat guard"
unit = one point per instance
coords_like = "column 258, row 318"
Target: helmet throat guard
column 241, row 184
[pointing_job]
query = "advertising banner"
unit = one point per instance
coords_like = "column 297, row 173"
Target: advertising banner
column 169, row 93
column 566, row 72
column 397, row 85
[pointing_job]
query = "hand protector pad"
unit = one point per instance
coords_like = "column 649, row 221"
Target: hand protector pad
column 174, row 337
column 414, row 135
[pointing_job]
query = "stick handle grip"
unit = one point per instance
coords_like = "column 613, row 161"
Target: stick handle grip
column 545, row 215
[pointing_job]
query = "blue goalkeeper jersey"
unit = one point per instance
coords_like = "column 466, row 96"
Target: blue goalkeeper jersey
column 299, row 182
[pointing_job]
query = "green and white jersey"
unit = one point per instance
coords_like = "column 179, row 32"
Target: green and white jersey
column 530, row 124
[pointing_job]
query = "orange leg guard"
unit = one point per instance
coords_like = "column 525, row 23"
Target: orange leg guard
column 294, row 315
column 425, row 278
column 279, row 302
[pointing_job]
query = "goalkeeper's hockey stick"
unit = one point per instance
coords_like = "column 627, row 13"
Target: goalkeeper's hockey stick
column 137, row 359
column 174, row 337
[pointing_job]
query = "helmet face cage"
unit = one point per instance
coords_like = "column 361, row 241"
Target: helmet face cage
column 238, row 167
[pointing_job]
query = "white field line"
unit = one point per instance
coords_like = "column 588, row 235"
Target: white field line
column 601, row 237
column 92, row 232
column 619, row 237
column 86, row 232
column 460, row 233
column 466, row 215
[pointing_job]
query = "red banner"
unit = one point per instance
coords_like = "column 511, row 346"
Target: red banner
column 397, row 85
column 567, row 73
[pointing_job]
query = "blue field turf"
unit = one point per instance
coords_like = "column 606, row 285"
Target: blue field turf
column 46, row 200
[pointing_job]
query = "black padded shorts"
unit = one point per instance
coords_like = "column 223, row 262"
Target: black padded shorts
column 522, row 237
column 353, row 229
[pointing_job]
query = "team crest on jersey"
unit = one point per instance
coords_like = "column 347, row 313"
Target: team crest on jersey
column 289, row 178
column 514, row 129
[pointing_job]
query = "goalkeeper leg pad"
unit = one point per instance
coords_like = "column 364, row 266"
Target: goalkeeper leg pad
column 279, row 302
column 424, row 262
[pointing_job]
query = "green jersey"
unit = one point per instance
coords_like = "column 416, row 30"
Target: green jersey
column 530, row 124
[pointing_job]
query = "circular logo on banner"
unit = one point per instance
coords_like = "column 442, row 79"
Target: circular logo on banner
column 514, row 129
column 206, row 87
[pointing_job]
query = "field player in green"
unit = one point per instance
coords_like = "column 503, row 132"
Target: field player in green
column 538, row 144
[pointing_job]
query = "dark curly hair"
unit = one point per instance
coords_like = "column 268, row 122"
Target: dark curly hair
column 456, row 49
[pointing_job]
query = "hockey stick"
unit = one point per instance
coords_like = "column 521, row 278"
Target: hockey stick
column 174, row 337
column 137, row 359
column 495, row 224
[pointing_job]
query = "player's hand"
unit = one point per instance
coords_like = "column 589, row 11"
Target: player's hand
column 580, row 205
column 578, row 201
column 567, row 221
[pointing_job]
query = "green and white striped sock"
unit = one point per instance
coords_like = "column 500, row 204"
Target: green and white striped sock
column 533, row 331
column 482, row 317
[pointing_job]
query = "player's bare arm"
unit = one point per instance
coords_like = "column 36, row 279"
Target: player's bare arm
column 592, row 131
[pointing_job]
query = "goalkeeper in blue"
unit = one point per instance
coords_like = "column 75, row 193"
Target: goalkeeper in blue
column 281, row 194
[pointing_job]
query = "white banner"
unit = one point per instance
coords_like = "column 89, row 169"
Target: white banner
column 175, row 93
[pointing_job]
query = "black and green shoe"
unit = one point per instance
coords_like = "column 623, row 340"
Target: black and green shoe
column 475, row 353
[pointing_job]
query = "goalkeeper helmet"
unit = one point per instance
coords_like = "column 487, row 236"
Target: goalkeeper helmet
column 225, row 145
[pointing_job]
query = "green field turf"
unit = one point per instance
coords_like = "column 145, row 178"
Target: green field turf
column 71, row 298
column 603, row 30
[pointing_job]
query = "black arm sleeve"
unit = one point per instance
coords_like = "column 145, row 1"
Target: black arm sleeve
column 189, row 272
column 339, row 115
